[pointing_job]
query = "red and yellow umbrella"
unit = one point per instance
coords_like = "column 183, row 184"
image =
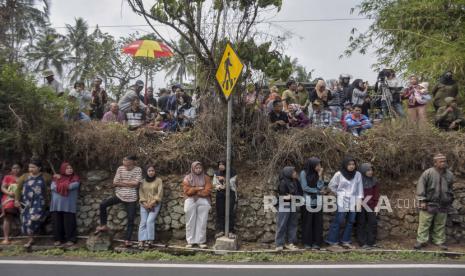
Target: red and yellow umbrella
column 147, row 49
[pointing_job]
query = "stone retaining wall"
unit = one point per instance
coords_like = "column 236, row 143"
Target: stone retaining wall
column 252, row 223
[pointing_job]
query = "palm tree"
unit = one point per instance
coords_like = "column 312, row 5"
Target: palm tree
column 181, row 66
column 20, row 20
column 78, row 38
column 48, row 51
column 301, row 74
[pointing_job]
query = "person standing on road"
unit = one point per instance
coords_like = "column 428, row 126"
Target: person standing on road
column 366, row 219
column 434, row 192
column 348, row 186
column 287, row 216
column 126, row 182
column 150, row 197
column 31, row 194
column 197, row 188
column 219, row 183
column 65, row 190
column 9, row 211
column 311, row 181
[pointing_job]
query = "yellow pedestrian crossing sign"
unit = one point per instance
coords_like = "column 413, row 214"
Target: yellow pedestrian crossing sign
column 229, row 70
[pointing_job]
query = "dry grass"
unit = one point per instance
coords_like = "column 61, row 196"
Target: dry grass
column 395, row 148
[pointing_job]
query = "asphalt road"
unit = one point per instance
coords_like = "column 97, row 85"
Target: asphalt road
column 71, row 268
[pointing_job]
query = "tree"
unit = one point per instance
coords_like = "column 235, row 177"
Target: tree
column 414, row 36
column 20, row 20
column 182, row 17
column 181, row 66
column 78, row 39
column 48, row 51
column 301, row 74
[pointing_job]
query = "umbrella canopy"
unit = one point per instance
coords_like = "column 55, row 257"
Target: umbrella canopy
column 148, row 48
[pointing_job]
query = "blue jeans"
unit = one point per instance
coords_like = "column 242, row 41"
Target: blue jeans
column 341, row 218
column 147, row 223
column 286, row 223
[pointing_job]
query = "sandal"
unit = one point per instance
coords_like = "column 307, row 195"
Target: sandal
column 102, row 228
column 70, row 243
column 6, row 242
column 141, row 245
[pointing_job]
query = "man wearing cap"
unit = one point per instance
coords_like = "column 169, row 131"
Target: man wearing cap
column 125, row 102
column 52, row 83
column 450, row 117
column 434, row 193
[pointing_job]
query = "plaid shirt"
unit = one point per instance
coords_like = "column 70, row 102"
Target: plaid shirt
column 322, row 119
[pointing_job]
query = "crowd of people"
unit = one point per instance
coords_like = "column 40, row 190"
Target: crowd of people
column 354, row 108
column 352, row 185
column 36, row 195
column 338, row 104
column 174, row 110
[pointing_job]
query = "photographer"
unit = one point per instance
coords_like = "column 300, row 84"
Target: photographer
column 389, row 89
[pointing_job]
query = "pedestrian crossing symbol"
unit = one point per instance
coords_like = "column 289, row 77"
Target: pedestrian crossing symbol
column 229, row 70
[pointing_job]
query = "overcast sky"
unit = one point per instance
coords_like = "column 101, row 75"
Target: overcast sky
column 317, row 45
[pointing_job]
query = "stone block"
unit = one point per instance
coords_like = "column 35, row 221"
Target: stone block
column 224, row 243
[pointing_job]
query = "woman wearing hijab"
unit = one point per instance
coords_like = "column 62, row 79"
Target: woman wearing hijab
column 150, row 197
column 311, row 181
column 348, row 187
column 287, row 216
column 219, row 183
column 320, row 93
column 197, row 188
column 9, row 211
column 31, row 194
column 366, row 219
column 65, row 190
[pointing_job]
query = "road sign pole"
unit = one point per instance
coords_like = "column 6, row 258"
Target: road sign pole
column 228, row 166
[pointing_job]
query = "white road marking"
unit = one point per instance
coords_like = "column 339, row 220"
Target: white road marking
column 231, row 266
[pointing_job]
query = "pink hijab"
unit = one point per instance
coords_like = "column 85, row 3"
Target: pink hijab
column 195, row 180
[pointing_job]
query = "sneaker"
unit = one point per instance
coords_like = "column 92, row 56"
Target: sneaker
column 307, row 247
column 316, row 247
column 219, row 235
column 443, row 247
column 279, row 248
column 189, row 245
column 57, row 243
column 203, row 246
column 348, row 245
column 419, row 245
column 366, row 247
column 291, row 246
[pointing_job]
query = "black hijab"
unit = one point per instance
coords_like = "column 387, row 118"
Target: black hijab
column 356, row 84
column 368, row 182
column 223, row 173
column 447, row 78
column 348, row 175
column 146, row 176
column 311, row 173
